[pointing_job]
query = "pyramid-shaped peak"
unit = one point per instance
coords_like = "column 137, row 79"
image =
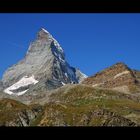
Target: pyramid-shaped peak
column 118, row 75
column 117, row 67
column 44, row 30
column 120, row 64
column 43, row 34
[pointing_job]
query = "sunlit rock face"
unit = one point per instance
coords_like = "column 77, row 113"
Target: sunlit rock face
column 118, row 77
column 43, row 63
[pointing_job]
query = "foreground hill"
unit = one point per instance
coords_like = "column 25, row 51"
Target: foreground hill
column 74, row 105
column 81, row 105
column 14, row 113
column 109, row 98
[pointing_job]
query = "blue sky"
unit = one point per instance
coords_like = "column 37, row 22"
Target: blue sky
column 91, row 42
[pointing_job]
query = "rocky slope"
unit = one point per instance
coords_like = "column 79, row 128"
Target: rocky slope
column 118, row 77
column 44, row 66
column 74, row 105
column 81, row 105
column 14, row 113
column 137, row 74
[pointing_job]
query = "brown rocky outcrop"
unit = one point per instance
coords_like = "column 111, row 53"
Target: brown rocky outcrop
column 117, row 75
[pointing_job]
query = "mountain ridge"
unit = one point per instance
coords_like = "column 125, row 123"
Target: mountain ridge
column 118, row 75
column 44, row 61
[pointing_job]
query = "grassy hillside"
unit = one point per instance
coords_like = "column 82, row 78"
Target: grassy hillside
column 81, row 105
column 14, row 113
column 74, row 105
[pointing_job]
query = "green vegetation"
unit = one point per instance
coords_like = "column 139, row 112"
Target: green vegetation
column 78, row 105
column 37, row 120
column 80, row 100
column 11, row 104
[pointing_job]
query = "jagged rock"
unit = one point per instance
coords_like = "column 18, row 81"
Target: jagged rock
column 14, row 113
column 80, row 76
column 43, row 66
column 137, row 74
column 74, row 105
column 60, row 116
column 118, row 77
column 82, row 105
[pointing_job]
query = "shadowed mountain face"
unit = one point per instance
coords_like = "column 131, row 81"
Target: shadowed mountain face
column 44, row 65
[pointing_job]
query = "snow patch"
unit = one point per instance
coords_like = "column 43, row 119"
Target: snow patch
column 22, row 92
column 80, row 76
column 63, row 83
column 55, row 54
column 55, row 42
column 84, row 76
column 62, row 60
column 45, row 31
column 57, row 45
column 122, row 73
column 66, row 75
column 25, row 81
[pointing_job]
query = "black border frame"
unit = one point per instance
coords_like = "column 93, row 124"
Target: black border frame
column 70, row 6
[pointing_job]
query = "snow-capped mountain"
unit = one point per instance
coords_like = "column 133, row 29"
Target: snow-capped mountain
column 44, row 65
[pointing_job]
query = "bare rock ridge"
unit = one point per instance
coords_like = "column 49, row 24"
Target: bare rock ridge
column 119, row 77
column 44, row 65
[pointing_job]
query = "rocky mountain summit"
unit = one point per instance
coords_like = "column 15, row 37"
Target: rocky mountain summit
column 44, row 66
column 118, row 77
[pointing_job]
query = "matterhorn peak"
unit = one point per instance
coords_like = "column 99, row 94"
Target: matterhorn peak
column 43, row 34
column 43, row 29
column 44, row 64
